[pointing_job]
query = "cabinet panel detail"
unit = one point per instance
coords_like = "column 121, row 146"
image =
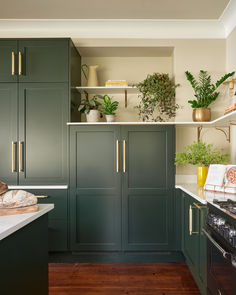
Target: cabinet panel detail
column 8, row 61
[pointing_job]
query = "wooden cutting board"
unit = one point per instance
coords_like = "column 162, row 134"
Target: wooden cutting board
column 28, row 209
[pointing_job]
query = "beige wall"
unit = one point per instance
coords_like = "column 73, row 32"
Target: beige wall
column 231, row 66
column 192, row 55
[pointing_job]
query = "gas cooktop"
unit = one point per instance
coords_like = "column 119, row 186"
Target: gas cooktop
column 228, row 205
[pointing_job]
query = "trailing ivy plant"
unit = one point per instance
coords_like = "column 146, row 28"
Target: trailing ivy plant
column 204, row 90
column 202, row 154
column 157, row 98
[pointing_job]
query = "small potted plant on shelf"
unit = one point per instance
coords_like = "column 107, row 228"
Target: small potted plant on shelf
column 202, row 155
column 108, row 107
column 205, row 93
column 157, row 94
column 90, row 107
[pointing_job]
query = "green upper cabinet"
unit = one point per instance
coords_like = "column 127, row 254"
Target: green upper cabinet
column 8, row 60
column 148, row 182
column 8, row 132
column 43, row 113
column 95, row 188
column 43, row 60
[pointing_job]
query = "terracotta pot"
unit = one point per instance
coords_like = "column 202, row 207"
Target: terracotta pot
column 93, row 116
column 202, row 115
column 201, row 175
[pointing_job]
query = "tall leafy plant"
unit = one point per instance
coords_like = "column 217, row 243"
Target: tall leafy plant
column 204, row 90
column 157, row 98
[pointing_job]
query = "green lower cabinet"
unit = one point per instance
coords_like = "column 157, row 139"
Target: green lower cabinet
column 122, row 188
column 57, row 218
column 193, row 240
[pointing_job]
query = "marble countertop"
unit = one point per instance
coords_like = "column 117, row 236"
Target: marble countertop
column 203, row 196
column 11, row 223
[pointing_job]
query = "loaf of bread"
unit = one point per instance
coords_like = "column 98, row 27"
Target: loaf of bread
column 3, row 188
column 17, row 199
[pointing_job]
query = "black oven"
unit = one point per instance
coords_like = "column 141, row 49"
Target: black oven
column 221, row 253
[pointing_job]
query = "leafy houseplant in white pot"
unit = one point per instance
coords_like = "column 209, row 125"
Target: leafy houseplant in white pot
column 90, row 107
column 205, row 93
column 202, row 155
column 109, row 107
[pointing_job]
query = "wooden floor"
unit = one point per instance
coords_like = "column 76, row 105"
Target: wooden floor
column 121, row 279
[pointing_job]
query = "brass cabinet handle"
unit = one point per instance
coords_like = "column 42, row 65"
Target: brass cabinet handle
column 20, row 156
column 12, row 63
column 199, row 206
column 117, row 156
column 41, row 197
column 191, row 232
column 20, row 63
column 13, row 157
column 124, row 156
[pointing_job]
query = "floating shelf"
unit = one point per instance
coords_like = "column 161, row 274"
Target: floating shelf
column 109, row 90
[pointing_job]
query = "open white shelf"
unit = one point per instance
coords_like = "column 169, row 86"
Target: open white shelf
column 223, row 121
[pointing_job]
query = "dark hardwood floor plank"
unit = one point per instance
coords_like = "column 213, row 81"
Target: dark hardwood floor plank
column 121, row 278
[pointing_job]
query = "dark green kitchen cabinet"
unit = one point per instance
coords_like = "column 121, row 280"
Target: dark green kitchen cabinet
column 8, row 132
column 148, row 188
column 122, row 188
column 57, row 218
column 43, row 60
column 193, row 240
column 8, row 60
column 95, row 188
column 43, row 114
column 35, row 108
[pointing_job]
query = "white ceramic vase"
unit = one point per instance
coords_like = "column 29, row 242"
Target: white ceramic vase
column 110, row 118
column 93, row 116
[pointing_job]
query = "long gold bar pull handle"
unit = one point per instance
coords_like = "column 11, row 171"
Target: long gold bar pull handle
column 117, row 156
column 41, row 197
column 20, row 156
column 12, row 63
column 191, row 221
column 13, row 158
column 20, row 63
column 124, row 156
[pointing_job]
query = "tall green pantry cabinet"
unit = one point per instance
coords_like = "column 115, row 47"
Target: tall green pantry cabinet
column 37, row 77
column 122, row 188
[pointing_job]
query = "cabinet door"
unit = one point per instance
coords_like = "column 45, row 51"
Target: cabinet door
column 8, row 133
column 8, row 61
column 190, row 241
column 148, row 188
column 44, row 60
column 57, row 218
column 202, row 269
column 95, row 188
column 43, row 113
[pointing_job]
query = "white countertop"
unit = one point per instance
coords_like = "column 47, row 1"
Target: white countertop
column 203, row 196
column 11, row 223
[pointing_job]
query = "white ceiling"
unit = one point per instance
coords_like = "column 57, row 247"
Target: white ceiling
column 112, row 9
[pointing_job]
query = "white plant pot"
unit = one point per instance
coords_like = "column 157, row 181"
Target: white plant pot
column 93, row 116
column 110, row 118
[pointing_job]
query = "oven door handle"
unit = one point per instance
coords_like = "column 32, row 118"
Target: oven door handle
column 225, row 254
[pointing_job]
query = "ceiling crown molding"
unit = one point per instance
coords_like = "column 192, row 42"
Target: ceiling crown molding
column 153, row 29
column 228, row 17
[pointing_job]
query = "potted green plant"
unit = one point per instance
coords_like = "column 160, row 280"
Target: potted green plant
column 205, row 93
column 108, row 107
column 157, row 98
column 202, row 155
column 90, row 107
